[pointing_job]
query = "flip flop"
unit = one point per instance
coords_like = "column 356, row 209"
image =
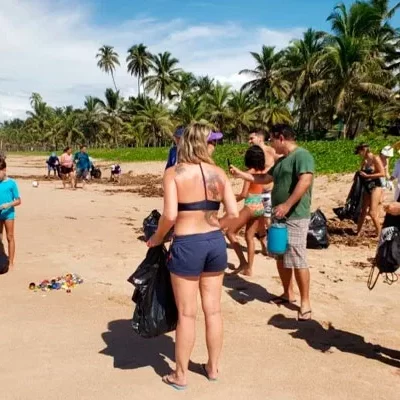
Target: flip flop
column 301, row 315
column 204, row 370
column 166, row 380
column 279, row 300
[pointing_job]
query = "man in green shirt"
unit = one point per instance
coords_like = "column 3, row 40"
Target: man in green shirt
column 292, row 175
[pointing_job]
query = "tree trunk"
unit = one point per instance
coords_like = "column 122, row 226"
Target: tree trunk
column 138, row 85
column 112, row 76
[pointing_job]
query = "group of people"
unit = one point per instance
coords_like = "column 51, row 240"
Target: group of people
column 377, row 179
column 279, row 177
column 70, row 168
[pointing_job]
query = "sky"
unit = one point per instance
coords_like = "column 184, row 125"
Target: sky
column 49, row 46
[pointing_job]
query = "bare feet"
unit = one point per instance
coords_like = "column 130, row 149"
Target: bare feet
column 247, row 272
column 240, row 268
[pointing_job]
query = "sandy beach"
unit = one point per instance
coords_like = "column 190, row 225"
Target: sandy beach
column 55, row 345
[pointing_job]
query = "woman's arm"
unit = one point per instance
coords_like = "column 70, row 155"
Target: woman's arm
column 229, row 201
column 170, row 212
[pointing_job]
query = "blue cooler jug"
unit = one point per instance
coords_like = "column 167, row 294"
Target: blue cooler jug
column 277, row 239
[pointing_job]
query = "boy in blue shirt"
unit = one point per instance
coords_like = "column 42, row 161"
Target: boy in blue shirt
column 83, row 164
column 9, row 199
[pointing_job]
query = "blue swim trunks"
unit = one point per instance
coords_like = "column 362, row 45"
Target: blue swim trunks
column 191, row 255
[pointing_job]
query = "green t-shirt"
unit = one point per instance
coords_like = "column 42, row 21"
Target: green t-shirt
column 286, row 174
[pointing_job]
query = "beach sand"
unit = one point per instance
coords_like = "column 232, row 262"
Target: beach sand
column 55, row 345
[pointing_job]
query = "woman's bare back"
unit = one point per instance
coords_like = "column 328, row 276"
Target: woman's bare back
column 192, row 188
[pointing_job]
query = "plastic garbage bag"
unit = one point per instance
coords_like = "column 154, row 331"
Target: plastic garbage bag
column 353, row 206
column 155, row 312
column 150, row 224
column 317, row 237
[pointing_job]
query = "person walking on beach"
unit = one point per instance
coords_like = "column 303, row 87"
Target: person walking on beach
column 9, row 199
column 252, row 213
column 371, row 172
column 67, row 167
column 292, row 175
column 173, row 151
column 83, row 164
column 193, row 191
column 53, row 164
column 258, row 138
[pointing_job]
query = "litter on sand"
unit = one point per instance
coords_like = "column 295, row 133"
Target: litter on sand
column 67, row 282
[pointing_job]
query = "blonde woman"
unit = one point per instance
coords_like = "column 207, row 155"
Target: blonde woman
column 193, row 191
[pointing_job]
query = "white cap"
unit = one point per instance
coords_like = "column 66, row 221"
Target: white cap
column 387, row 151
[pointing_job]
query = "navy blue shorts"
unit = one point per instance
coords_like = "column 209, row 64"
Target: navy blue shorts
column 190, row 255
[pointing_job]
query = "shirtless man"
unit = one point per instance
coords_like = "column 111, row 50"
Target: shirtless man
column 258, row 138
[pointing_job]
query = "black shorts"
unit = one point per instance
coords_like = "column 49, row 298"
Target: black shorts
column 66, row 170
column 191, row 255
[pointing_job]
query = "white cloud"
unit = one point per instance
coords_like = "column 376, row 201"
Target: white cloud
column 50, row 46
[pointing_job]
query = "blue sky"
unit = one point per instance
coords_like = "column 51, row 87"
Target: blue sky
column 49, row 46
column 272, row 13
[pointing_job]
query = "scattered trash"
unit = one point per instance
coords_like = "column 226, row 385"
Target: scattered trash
column 35, row 184
column 67, row 282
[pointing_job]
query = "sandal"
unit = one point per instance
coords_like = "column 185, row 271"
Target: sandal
column 205, row 373
column 167, row 381
column 301, row 315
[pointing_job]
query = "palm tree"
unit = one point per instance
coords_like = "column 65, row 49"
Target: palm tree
column 204, row 85
column 217, row 105
column 267, row 80
column 190, row 110
column 353, row 74
column 271, row 113
column 68, row 127
column 165, row 75
column 108, row 59
column 93, row 123
column 139, row 62
column 242, row 113
column 300, row 67
column 155, row 122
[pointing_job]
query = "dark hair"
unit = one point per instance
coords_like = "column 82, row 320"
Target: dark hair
column 82, row 146
column 3, row 164
column 255, row 158
column 283, row 129
column 66, row 149
column 362, row 146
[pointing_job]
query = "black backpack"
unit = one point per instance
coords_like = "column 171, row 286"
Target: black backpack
column 387, row 259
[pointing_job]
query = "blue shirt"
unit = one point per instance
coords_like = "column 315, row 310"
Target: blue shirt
column 172, row 157
column 82, row 161
column 8, row 193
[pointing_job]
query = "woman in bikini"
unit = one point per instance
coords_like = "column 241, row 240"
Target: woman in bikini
column 67, row 167
column 193, row 191
column 371, row 172
column 251, row 214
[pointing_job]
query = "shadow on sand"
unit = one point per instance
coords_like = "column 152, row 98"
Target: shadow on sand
column 243, row 291
column 4, row 261
column 130, row 351
column 319, row 338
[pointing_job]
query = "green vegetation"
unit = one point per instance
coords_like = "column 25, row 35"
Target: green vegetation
column 330, row 157
column 338, row 83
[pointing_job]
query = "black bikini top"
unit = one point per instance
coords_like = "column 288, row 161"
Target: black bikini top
column 202, row 205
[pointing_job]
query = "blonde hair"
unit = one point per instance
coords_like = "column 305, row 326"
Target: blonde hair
column 192, row 148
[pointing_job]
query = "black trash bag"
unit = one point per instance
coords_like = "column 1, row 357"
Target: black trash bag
column 387, row 259
column 155, row 312
column 353, row 206
column 150, row 224
column 4, row 260
column 95, row 173
column 317, row 236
